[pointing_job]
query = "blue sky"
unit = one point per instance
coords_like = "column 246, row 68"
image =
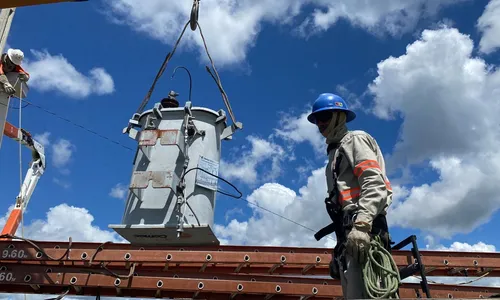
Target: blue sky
column 421, row 76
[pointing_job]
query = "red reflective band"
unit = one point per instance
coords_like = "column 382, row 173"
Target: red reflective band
column 349, row 194
column 367, row 164
column 388, row 185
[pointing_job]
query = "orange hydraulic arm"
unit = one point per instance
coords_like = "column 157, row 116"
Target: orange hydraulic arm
column 37, row 167
column 18, row 3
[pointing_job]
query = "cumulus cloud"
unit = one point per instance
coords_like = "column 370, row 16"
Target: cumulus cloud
column 489, row 25
column 244, row 168
column 55, row 73
column 298, row 130
column 119, row 191
column 305, row 208
column 62, row 152
column 447, row 100
column 231, row 27
column 59, row 225
column 459, row 246
column 43, row 138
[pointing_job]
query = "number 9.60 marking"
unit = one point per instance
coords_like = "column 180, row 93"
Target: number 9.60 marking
column 7, row 276
column 13, row 253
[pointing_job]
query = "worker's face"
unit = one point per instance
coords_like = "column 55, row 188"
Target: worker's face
column 9, row 63
column 323, row 119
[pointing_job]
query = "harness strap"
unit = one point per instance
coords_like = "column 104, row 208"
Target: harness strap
column 332, row 207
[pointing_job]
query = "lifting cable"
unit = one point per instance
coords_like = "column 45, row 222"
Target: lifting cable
column 193, row 22
column 21, row 182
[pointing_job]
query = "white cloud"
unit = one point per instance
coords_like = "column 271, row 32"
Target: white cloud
column 245, row 167
column 43, row 139
column 459, row 246
column 305, row 208
column 298, row 130
column 61, row 183
column 59, row 225
column 448, row 102
column 233, row 211
column 460, row 280
column 55, row 73
column 119, row 191
column 62, row 152
column 394, row 17
column 231, row 27
column 489, row 25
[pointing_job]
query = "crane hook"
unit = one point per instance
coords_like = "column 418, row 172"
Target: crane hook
column 193, row 20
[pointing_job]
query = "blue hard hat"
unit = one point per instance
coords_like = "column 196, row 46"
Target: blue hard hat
column 332, row 102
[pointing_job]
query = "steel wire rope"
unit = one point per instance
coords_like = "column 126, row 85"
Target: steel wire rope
column 21, row 184
column 193, row 21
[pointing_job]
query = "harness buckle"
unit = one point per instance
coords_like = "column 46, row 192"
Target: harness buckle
column 349, row 219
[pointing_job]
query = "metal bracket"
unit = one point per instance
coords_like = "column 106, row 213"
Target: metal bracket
column 168, row 137
column 229, row 131
column 133, row 122
column 157, row 111
column 159, row 179
column 222, row 116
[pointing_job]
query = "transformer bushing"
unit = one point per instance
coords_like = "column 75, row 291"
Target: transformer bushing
column 172, row 191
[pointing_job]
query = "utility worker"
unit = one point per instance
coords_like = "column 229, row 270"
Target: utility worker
column 359, row 192
column 11, row 62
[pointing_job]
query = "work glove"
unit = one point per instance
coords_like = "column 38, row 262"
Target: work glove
column 9, row 89
column 358, row 242
column 24, row 77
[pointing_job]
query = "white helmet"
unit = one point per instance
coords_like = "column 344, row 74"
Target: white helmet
column 16, row 56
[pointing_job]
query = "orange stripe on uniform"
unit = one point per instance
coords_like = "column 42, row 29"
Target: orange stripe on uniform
column 388, row 185
column 367, row 164
column 349, row 194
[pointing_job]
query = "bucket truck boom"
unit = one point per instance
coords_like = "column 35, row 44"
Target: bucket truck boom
column 36, row 169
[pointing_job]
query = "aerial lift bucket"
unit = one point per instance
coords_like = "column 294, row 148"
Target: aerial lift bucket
column 5, row 99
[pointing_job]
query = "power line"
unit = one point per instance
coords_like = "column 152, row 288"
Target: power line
column 285, row 218
column 128, row 148
column 255, row 204
column 73, row 123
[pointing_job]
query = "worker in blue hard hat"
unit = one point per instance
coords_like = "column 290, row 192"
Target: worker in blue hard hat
column 359, row 192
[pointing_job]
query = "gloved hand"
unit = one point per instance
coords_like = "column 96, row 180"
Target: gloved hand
column 24, row 77
column 358, row 242
column 9, row 89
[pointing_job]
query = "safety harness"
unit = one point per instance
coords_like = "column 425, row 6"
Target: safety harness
column 343, row 221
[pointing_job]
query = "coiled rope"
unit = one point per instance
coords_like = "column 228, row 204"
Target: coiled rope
column 380, row 272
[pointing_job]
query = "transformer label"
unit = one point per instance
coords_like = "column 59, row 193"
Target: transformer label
column 206, row 180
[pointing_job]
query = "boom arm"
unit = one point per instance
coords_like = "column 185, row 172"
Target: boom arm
column 37, row 167
column 19, row 3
